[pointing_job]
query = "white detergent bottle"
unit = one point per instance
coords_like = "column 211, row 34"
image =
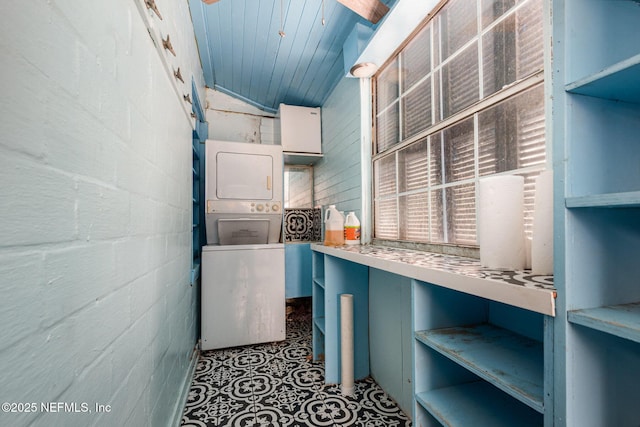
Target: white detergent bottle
column 334, row 227
column 352, row 229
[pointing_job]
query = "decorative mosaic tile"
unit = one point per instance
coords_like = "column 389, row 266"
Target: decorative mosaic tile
column 454, row 264
column 277, row 384
column 302, row 225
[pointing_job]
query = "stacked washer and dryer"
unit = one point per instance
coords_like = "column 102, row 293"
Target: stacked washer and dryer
column 243, row 289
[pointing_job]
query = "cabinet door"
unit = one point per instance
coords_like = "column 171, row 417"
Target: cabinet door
column 390, row 335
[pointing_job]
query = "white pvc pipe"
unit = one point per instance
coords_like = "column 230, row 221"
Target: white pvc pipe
column 346, row 344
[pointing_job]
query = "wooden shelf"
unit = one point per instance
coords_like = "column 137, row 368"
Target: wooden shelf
column 293, row 158
column 630, row 199
column 617, row 82
column 620, row 320
column 511, row 362
column 319, row 281
column 319, row 322
column 477, row 404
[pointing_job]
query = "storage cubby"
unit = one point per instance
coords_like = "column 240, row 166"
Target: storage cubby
column 333, row 277
column 476, row 361
column 596, row 134
column 317, row 309
column 604, row 379
column 604, row 147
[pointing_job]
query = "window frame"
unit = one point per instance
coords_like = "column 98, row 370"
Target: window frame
column 472, row 111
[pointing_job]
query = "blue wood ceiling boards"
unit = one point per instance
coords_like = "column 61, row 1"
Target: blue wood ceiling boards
column 243, row 55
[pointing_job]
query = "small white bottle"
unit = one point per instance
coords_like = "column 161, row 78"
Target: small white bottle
column 351, row 229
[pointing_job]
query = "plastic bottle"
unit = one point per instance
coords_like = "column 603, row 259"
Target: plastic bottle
column 334, row 227
column 352, row 229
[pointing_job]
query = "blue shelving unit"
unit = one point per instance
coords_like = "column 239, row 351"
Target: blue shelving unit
column 332, row 277
column 595, row 126
column 200, row 133
column 479, row 362
column 476, row 404
column 620, row 320
column 511, row 362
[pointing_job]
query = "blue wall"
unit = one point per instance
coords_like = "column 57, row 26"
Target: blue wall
column 337, row 177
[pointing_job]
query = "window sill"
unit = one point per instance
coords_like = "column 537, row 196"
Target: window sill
column 518, row 288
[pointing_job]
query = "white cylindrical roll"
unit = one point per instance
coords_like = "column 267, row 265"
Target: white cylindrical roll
column 346, row 344
column 527, row 248
column 501, row 222
column 542, row 236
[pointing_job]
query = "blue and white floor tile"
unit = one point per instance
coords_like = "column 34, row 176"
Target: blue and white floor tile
column 277, row 384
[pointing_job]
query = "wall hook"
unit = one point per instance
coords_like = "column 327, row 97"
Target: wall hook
column 151, row 4
column 178, row 75
column 187, row 98
column 167, row 45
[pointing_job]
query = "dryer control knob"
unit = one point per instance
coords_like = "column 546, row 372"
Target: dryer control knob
column 260, row 208
column 275, row 208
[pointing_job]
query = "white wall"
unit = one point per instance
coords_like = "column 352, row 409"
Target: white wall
column 231, row 119
column 95, row 214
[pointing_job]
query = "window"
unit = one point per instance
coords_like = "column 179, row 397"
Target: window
column 462, row 100
column 298, row 186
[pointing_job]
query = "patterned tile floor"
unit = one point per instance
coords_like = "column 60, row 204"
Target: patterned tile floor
column 277, row 384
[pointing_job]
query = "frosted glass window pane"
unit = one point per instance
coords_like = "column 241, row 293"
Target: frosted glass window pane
column 459, row 151
column 460, row 85
column 436, row 216
column 387, row 89
column 513, row 48
column 512, row 133
column 413, row 167
column 494, row 9
column 529, row 199
column 499, row 56
column 435, row 160
column 530, row 38
column 416, row 59
column 386, row 219
column 385, row 176
column 387, row 130
column 416, row 110
column 461, row 214
column 414, row 216
column 458, row 24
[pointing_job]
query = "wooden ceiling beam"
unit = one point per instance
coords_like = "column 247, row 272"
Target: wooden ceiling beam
column 371, row 10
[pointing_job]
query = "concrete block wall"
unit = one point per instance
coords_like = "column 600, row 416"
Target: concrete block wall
column 95, row 216
column 337, row 177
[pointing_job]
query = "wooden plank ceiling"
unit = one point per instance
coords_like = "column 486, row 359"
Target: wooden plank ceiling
column 244, row 56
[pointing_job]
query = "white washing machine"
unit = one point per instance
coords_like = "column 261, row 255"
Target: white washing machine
column 243, row 290
column 243, row 299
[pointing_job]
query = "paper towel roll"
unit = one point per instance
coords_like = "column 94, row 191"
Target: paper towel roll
column 542, row 235
column 346, row 344
column 527, row 248
column 501, row 222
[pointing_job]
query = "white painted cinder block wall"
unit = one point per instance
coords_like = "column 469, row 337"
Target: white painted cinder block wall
column 95, row 214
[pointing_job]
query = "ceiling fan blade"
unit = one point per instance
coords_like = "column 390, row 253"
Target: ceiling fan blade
column 210, row 1
column 371, row 10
